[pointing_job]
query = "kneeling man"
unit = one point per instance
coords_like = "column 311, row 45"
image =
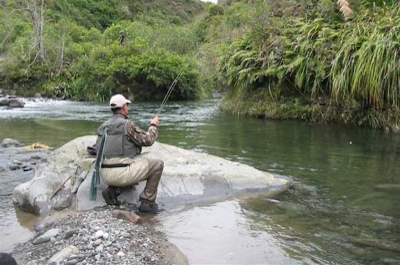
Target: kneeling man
column 122, row 165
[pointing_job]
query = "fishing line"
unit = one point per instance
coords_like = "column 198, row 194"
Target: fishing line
column 171, row 88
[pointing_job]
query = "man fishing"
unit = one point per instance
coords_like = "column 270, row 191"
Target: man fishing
column 122, row 165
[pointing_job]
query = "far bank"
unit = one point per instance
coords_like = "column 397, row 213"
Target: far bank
column 260, row 104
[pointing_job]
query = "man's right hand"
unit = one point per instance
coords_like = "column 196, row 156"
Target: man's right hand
column 155, row 121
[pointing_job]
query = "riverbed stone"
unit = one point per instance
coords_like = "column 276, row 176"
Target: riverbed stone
column 70, row 233
column 187, row 176
column 14, row 167
column 52, row 233
column 126, row 215
column 62, row 255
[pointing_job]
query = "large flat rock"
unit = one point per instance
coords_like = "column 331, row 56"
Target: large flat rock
column 187, row 176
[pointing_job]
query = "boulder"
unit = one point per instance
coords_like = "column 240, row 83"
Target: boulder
column 187, row 176
column 71, row 159
column 12, row 102
column 8, row 142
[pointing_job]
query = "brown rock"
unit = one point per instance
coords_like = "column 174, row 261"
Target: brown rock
column 128, row 216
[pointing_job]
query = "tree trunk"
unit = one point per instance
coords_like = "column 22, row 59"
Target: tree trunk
column 37, row 16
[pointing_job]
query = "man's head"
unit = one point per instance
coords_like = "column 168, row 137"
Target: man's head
column 119, row 104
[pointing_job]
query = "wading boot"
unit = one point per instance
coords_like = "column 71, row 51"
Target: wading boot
column 146, row 207
column 110, row 195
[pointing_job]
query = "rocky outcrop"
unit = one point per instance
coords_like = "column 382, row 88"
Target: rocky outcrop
column 12, row 102
column 70, row 160
column 187, row 176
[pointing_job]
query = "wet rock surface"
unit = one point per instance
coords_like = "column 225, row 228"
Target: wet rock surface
column 96, row 237
column 12, row 102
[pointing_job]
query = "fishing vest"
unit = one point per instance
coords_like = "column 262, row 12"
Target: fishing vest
column 118, row 144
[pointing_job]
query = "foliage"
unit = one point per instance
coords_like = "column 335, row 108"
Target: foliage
column 344, row 65
column 88, row 13
column 331, row 61
column 320, row 59
column 84, row 58
column 216, row 10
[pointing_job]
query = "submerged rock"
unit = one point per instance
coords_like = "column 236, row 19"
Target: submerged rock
column 187, row 176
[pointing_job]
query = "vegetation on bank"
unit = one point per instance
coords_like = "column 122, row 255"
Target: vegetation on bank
column 322, row 61
column 327, row 66
column 88, row 50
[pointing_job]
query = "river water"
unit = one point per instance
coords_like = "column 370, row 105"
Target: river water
column 344, row 206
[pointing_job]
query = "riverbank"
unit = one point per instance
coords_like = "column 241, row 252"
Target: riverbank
column 97, row 237
column 260, row 104
column 121, row 242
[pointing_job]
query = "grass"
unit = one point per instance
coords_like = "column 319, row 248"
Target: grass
column 260, row 104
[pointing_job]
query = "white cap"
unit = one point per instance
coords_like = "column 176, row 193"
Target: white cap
column 118, row 101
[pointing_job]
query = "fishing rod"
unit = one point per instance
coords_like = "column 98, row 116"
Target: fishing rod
column 171, row 88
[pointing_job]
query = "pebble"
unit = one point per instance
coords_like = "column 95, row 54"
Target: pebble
column 97, row 242
column 100, row 248
column 71, row 262
column 14, row 167
column 111, row 243
column 99, row 234
column 70, row 233
column 126, row 235
column 26, row 168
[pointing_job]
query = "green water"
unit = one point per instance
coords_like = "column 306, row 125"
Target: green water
column 346, row 179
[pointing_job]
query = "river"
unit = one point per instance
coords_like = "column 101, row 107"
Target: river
column 344, row 206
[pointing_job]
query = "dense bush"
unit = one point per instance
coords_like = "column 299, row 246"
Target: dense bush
column 319, row 58
column 84, row 58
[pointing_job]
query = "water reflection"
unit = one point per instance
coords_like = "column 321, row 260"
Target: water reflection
column 222, row 233
column 15, row 225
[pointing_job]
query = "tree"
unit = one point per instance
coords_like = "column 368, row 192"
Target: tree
column 37, row 15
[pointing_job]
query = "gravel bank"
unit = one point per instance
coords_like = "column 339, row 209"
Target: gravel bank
column 96, row 237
